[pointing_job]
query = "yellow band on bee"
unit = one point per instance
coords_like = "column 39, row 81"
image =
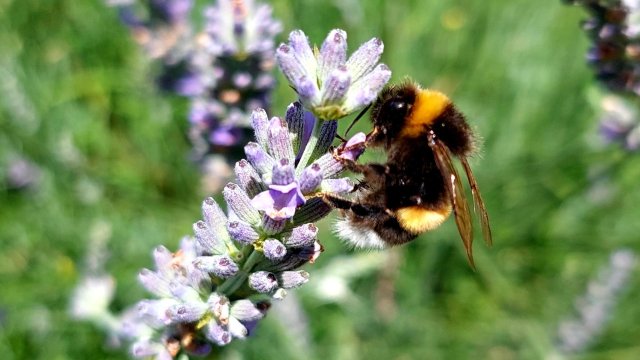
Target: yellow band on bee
column 416, row 219
column 429, row 105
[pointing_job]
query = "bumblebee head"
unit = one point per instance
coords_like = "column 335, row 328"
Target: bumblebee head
column 389, row 113
column 407, row 111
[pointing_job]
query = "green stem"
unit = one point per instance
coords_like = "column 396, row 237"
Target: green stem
column 311, row 145
column 232, row 284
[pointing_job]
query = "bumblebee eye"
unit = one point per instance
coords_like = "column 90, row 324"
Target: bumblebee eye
column 398, row 106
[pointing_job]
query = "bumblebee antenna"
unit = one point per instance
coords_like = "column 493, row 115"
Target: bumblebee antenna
column 356, row 119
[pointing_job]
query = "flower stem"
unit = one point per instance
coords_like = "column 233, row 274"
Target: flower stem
column 232, row 284
column 311, row 145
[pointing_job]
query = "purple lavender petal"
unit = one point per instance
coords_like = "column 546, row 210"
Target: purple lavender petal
column 353, row 148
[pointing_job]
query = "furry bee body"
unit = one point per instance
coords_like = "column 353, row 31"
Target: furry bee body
column 417, row 188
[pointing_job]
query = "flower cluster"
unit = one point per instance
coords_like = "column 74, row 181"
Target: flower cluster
column 163, row 30
column 226, row 69
column 234, row 61
column 615, row 51
column 220, row 283
column 614, row 28
column 595, row 307
column 328, row 83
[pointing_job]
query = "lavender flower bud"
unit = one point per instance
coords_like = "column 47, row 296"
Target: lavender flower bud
column 263, row 282
column 260, row 124
column 293, row 279
column 364, row 91
column 260, row 160
column 186, row 312
column 337, row 185
column 312, row 211
column 217, row 334
column 221, row 266
column 292, row 69
column 329, row 166
column 302, row 236
column 271, row 226
column 219, row 307
column 365, row 58
column 300, row 44
column 207, row 242
column 336, row 86
column 147, row 348
column 240, row 203
column 162, row 257
column 310, row 178
column 216, row 219
column 279, row 294
column 242, row 232
column 248, row 178
column 154, row 312
column 283, row 173
column 245, row 310
column 295, row 124
column 278, row 142
column 328, row 132
column 154, row 283
column 308, row 90
column 236, row 328
column 274, row 250
column 333, row 52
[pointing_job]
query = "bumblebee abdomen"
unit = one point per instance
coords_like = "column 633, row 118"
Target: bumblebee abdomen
column 418, row 219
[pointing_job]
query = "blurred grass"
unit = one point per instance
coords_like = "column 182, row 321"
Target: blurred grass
column 79, row 102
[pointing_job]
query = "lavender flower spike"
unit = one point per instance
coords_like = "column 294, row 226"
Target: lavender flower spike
column 330, row 85
column 234, row 62
column 219, row 284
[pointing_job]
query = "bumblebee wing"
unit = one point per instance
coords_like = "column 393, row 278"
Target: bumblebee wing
column 456, row 194
column 479, row 207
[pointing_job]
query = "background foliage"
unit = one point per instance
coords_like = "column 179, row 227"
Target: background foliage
column 77, row 99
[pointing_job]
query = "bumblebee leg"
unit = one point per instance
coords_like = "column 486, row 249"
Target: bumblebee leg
column 358, row 209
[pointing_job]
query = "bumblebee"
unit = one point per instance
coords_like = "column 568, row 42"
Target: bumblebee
column 418, row 187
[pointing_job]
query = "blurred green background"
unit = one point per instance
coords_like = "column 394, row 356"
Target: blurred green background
column 77, row 100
